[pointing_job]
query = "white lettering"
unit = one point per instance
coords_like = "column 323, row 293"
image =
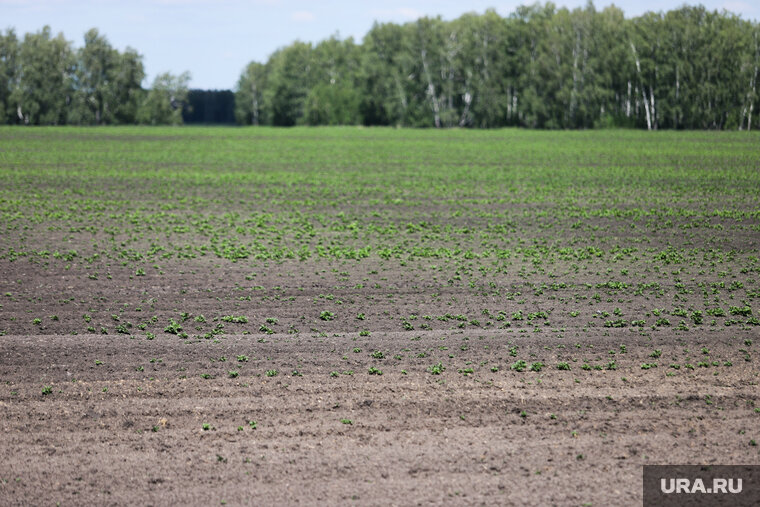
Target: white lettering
column 664, row 487
column 699, row 486
column 682, row 486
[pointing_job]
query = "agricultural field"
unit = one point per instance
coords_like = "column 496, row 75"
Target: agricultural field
column 373, row 316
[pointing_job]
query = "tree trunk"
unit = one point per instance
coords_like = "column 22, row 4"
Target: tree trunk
column 751, row 94
column 678, row 88
column 466, row 112
column 254, row 105
column 749, row 118
column 400, row 90
column 431, row 91
column 643, row 90
column 752, row 101
column 574, row 92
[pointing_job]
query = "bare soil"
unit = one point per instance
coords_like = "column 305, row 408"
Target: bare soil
column 533, row 316
column 123, row 422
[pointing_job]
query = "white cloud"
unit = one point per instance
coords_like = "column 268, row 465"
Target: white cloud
column 303, row 16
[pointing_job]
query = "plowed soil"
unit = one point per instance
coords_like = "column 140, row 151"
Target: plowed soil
column 124, row 421
column 146, row 358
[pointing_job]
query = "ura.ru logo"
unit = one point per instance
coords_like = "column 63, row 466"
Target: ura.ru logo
column 683, row 485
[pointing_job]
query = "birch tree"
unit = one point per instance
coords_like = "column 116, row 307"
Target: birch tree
column 540, row 67
column 249, row 95
column 9, row 61
column 384, row 100
column 127, row 84
column 42, row 87
column 751, row 95
column 164, row 101
column 482, row 66
column 289, row 82
column 95, row 87
column 334, row 97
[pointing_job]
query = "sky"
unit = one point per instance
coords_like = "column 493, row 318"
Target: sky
column 215, row 39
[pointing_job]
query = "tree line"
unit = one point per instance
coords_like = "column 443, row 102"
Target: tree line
column 540, row 67
column 45, row 81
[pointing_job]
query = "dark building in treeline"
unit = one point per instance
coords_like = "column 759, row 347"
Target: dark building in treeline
column 209, row 107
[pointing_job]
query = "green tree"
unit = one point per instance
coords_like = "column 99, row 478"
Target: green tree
column 541, row 67
column 43, row 85
column 749, row 77
column 613, row 76
column 164, row 101
column 9, row 60
column 334, row 97
column 128, row 93
column 484, row 86
column 531, row 103
column 95, row 83
column 249, row 95
column 289, row 83
column 384, row 73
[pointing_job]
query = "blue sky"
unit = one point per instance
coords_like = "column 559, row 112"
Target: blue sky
column 215, row 39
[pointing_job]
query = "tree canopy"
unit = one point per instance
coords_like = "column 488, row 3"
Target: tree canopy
column 539, row 67
column 45, row 81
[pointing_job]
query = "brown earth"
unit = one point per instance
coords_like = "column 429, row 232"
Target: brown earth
column 124, row 420
column 111, row 238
